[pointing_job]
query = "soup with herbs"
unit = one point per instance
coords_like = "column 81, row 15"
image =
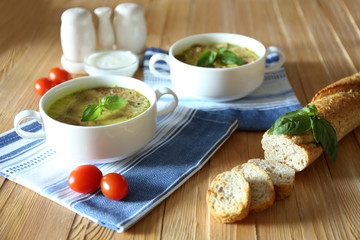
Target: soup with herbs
column 219, row 55
column 98, row 106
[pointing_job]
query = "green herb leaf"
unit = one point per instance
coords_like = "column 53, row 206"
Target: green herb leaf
column 206, row 58
column 325, row 134
column 300, row 121
column 229, row 58
column 91, row 112
column 310, row 109
column 113, row 102
column 221, row 50
column 295, row 122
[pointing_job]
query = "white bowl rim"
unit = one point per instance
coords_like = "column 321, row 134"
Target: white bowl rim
column 172, row 56
column 133, row 64
column 86, row 78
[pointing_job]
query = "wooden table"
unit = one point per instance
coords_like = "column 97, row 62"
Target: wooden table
column 321, row 40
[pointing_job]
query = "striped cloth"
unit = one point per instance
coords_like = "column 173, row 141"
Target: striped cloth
column 256, row 112
column 184, row 141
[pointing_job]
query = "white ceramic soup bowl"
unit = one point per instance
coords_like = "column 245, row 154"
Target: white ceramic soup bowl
column 97, row 144
column 218, row 84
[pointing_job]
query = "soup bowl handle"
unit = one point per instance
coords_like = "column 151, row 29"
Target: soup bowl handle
column 159, row 57
column 171, row 106
column 25, row 115
column 279, row 63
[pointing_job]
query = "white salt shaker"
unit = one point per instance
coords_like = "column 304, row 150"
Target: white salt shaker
column 105, row 31
column 130, row 28
column 78, row 38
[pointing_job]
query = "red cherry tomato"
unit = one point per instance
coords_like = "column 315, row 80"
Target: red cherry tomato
column 58, row 75
column 42, row 85
column 114, row 186
column 85, row 179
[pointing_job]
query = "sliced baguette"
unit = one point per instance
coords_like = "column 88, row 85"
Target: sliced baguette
column 228, row 197
column 339, row 103
column 261, row 187
column 281, row 175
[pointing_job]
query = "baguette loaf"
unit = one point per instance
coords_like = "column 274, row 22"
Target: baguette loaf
column 339, row 103
column 228, row 197
column 281, row 175
column 261, row 186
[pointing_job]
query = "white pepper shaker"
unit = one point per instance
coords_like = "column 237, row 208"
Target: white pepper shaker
column 105, row 31
column 130, row 28
column 78, row 38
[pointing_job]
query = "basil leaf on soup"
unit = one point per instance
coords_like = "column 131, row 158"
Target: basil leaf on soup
column 113, row 102
column 206, row 58
column 294, row 122
column 325, row 134
column 221, row 49
column 91, row 112
column 229, row 58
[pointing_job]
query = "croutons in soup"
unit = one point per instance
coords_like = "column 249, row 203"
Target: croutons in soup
column 218, row 55
column 70, row 109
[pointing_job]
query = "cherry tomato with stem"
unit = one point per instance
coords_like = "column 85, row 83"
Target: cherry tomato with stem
column 58, row 75
column 42, row 85
column 114, row 186
column 85, row 179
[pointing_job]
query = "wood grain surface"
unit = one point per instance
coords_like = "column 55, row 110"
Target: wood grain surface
column 321, row 41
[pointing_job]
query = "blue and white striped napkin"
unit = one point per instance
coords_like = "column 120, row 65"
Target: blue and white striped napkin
column 184, row 141
column 255, row 112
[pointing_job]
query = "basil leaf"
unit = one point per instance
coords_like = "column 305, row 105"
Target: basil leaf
column 310, row 109
column 206, row 58
column 221, row 50
column 325, row 134
column 91, row 112
column 229, row 58
column 294, row 122
column 113, row 102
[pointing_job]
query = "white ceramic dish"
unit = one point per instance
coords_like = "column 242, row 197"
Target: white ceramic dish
column 121, row 63
column 218, row 84
column 97, row 144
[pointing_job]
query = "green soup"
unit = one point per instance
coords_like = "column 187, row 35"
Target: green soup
column 69, row 109
column 217, row 55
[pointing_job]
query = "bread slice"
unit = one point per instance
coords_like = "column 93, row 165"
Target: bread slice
column 281, row 175
column 339, row 103
column 261, row 187
column 228, row 197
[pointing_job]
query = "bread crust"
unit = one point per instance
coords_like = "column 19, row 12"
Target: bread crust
column 221, row 212
column 283, row 191
column 282, row 176
column 339, row 103
column 270, row 198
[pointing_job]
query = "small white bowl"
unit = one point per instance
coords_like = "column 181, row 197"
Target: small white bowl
column 216, row 84
column 97, row 144
column 121, row 63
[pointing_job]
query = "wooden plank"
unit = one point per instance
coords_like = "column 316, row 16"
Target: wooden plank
column 345, row 178
column 302, row 51
column 319, row 203
column 150, row 227
column 347, row 31
column 33, row 210
column 327, row 40
column 174, row 29
column 43, row 213
column 352, row 10
column 158, row 15
column 189, row 201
